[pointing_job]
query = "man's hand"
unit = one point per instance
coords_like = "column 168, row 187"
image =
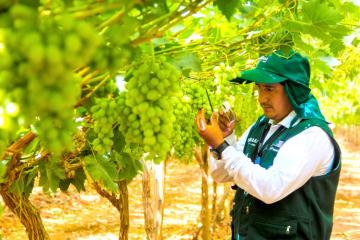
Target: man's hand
column 211, row 133
column 226, row 122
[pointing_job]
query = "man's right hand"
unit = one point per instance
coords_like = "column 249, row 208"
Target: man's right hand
column 226, row 122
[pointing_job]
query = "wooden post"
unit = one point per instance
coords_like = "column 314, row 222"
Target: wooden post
column 153, row 200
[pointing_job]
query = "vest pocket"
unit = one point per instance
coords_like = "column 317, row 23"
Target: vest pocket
column 275, row 228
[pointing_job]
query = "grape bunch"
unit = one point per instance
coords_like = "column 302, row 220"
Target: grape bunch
column 111, row 57
column 198, row 97
column 147, row 107
column 223, row 74
column 104, row 114
column 184, row 132
column 39, row 56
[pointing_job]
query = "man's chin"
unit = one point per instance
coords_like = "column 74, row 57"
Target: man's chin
column 268, row 113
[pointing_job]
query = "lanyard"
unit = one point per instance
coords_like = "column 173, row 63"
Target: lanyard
column 263, row 134
column 260, row 147
column 276, row 134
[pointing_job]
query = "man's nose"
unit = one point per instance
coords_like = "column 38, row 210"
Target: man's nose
column 262, row 97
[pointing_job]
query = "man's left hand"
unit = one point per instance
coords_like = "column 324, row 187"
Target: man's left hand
column 211, row 133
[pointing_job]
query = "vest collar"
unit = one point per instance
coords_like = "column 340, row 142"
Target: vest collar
column 287, row 121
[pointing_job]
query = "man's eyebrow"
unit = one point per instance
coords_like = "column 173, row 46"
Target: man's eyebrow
column 265, row 85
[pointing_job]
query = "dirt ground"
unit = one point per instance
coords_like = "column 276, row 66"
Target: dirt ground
column 88, row 216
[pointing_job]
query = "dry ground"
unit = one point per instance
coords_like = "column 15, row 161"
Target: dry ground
column 88, row 216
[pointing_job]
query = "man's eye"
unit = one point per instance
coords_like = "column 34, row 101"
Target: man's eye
column 269, row 89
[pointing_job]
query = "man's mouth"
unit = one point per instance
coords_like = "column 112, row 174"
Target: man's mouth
column 266, row 106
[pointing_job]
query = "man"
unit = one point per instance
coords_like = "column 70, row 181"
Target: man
column 286, row 166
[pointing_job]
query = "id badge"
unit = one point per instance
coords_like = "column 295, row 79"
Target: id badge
column 257, row 160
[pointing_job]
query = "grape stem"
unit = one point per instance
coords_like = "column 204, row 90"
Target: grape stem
column 14, row 151
column 82, row 100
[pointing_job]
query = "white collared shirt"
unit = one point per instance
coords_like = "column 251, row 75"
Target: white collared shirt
column 310, row 153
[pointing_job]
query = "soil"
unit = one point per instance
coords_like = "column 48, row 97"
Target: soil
column 86, row 215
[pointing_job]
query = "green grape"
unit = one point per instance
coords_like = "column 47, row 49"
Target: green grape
column 44, row 53
column 147, row 116
column 104, row 114
column 184, row 134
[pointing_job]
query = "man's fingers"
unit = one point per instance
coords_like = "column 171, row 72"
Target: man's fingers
column 222, row 126
column 214, row 118
column 200, row 122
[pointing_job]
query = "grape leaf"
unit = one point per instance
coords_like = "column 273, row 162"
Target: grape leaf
column 25, row 183
column 319, row 13
column 30, row 3
column 227, row 7
column 102, row 170
column 186, row 62
column 79, row 180
column 64, row 184
column 51, row 173
column 3, row 168
column 1, row 212
column 119, row 141
column 336, row 46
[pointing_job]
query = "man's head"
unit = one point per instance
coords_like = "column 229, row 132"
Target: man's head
column 282, row 81
column 274, row 101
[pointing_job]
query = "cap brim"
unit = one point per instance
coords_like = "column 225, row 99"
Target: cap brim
column 258, row 75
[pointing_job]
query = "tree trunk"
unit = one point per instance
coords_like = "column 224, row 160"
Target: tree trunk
column 29, row 216
column 20, row 205
column 121, row 203
column 201, row 156
column 124, row 210
column 153, row 201
column 214, row 199
column 222, row 207
column 214, row 204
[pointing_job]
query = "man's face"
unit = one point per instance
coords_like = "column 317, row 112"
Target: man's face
column 274, row 101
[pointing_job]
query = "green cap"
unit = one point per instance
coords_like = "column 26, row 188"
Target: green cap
column 278, row 67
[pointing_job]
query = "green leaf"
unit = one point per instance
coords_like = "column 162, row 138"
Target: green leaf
column 1, row 212
column 69, row 3
column 306, row 48
column 319, row 13
column 102, row 170
column 186, row 62
column 119, row 141
column 227, row 7
column 64, row 184
column 3, row 168
column 119, row 34
column 336, row 46
column 33, row 146
column 25, row 183
column 30, row 3
column 79, row 180
column 51, row 172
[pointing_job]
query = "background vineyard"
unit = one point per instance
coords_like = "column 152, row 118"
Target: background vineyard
column 96, row 93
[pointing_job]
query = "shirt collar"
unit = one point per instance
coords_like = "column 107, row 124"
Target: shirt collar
column 286, row 121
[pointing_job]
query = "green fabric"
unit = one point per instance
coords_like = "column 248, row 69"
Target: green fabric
column 302, row 101
column 293, row 71
column 306, row 213
column 278, row 67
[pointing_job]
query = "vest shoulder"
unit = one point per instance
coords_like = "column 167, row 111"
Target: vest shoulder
column 307, row 123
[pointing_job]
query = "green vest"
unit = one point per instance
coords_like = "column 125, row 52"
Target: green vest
column 307, row 213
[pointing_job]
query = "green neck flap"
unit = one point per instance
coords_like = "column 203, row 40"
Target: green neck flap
column 305, row 104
